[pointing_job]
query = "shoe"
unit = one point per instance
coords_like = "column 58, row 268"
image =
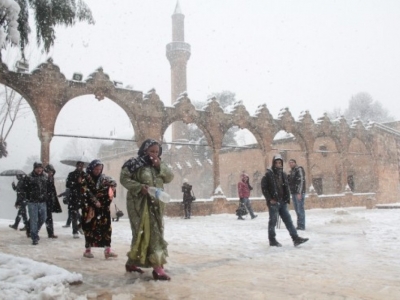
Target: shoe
column 80, row 230
column 299, row 240
column 240, row 218
column 133, row 268
column 22, row 229
column 75, row 236
column 108, row 253
column 157, row 276
column 35, row 242
column 53, row 236
column 88, row 254
column 66, row 226
column 13, row 227
column 299, row 228
column 274, row 243
column 253, row 217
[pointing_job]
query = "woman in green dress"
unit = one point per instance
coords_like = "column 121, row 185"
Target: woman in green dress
column 148, row 247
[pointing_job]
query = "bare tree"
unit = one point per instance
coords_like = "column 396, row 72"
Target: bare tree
column 363, row 106
column 12, row 107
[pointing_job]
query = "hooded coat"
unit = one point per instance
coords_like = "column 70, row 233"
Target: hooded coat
column 270, row 184
column 97, row 226
column 52, row 199
column 148, row 247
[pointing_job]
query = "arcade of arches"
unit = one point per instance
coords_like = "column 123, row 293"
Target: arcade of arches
column 335, row 156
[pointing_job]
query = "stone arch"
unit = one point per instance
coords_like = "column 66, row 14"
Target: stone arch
column 327, row 157
column 358, row 166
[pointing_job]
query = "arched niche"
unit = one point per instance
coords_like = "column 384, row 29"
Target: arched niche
column 190, row 157
column 240, row 153
column 326, row 156
column 359, row 169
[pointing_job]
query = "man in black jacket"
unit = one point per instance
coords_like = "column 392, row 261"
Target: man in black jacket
column 275, row 189
column 297, row 185
column 35, row 187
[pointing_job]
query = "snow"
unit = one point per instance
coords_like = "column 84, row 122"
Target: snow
column 352, row 254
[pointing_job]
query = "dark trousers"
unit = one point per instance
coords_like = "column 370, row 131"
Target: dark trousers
column 21, row 214
column 187, row 207
column 75, row 220
column 49, row 221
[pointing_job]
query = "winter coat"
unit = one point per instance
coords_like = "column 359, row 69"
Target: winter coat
column 97, row 228
column 187, row 192
column 52, row 199
column 244, row 187
column 146, row 213
column 270, row 187
column 35, row 187
column 297, row 180
column 19, row 188
column 75, row 189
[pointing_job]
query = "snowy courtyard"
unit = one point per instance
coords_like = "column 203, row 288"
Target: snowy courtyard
column 352, row 254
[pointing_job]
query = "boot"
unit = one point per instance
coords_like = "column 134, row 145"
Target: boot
column 159, row 274
column 133, row 268
column 88, row 253
column 13, row 227
column 299, row 240
column 22, row 229
column 108, row 253
column 274, row 243
column 240, row 218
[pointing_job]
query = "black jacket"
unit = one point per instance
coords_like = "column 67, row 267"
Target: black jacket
column 75, row 189
column 297, row 180
column 19, row 188
column 35, row 187
column 270, row 187
column 187, row 192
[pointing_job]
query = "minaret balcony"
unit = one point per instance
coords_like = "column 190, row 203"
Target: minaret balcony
column 182, row 46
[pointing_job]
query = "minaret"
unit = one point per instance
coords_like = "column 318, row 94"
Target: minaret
column 178, row 53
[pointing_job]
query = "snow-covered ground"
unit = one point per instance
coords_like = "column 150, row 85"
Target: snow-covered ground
column 352, row 253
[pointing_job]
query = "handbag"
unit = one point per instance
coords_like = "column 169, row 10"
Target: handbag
column 119, row 213
column 193, row 197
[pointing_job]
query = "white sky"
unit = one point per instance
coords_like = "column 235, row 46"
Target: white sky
column 352, row 254
column 306, row 55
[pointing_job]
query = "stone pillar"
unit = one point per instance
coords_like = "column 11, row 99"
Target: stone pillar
column 216, row 171
column 45, row 139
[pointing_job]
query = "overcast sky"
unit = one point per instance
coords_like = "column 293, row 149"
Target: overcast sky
column 304, row 55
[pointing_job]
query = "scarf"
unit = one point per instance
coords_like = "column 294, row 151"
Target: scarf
column 141, row 160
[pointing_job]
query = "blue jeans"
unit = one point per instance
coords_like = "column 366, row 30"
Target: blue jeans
column 299, row 209
column 37, row 216
column 280, row 209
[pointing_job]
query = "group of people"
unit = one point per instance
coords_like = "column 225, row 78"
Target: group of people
column 91, row 194
column 278, row 188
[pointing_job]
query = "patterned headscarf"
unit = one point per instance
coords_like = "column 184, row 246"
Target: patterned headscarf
column 92, row 165
column 135, row 163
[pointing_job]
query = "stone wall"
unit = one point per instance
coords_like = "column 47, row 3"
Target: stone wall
column 223, row 205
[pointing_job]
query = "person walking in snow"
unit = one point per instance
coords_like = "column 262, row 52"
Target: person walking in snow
column 244, row 189
column 275, row 188
column 52, row 203
column 20, row 203
column 74, row 184
column 35, row 187
column 187, row 198
column 297, row 185
column 148, row 247
column 98, row 193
